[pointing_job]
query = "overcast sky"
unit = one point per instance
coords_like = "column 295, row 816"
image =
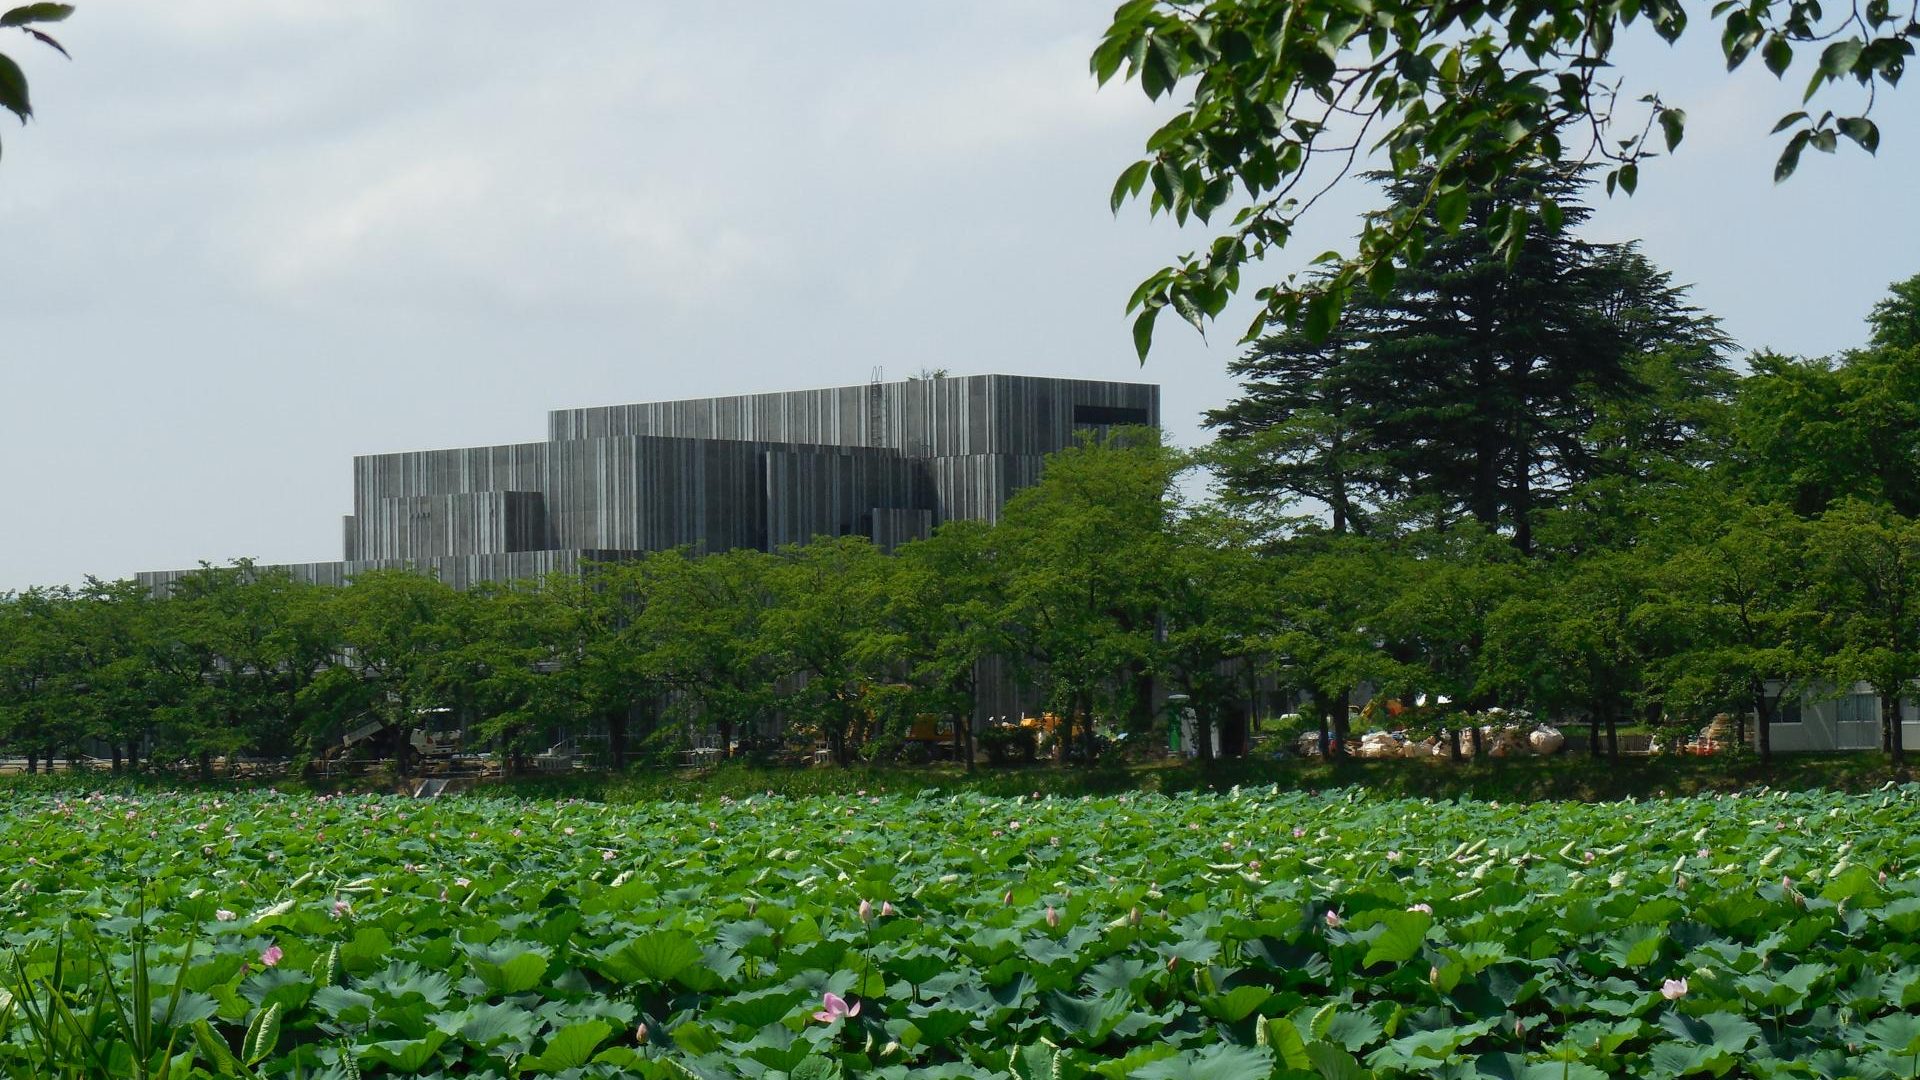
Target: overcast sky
column 244, row 242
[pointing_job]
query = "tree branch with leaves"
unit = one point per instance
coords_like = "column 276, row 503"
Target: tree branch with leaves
column 1284, row 97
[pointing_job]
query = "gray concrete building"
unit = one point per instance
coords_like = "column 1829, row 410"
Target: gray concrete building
column 886, row 460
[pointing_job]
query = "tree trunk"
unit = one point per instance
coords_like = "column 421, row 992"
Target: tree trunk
column 1896, row 739
column 726, row 741
column 206, row 764
column 1086, row 731
column 1320, row 713
column 1593, row 734
column 1762, row 725
column 116, row 756
column 1479, row 743
column 617, row 738
column 1342, row 726
column 1613, row 736
column 1453, row 744
column 33, row 762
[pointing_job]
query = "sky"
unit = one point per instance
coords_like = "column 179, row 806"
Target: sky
column 242, row 243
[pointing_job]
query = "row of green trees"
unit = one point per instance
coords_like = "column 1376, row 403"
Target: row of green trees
column 834, row 639
column 1536, row 483
column 1097, row 580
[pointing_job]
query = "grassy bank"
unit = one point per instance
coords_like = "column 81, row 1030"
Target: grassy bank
column 1523, row 780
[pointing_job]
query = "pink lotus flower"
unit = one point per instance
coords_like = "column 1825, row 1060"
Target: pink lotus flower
column 224, row 915
column 342, row 909
column 1673, row 989
column 834, row 1007
column 606, row 855
column 887, row 909
column 1334, row 920
column 271, row 956
column 866, row 910
column 1298, row 833
column 1053, row 917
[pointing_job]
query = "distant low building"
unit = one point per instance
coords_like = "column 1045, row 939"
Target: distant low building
column 885, row 460
column 1837, row 718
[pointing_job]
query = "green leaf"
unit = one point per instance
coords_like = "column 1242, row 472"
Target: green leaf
column 1039, row 1061
column 1840, row 57
column 1777, row 54
column 33, row 13
column 509, row 971
column 1450, row 210
column 1239, row 1003
column 1143, row 332
column 1552, row 216
column 816, row 1067
column 1323, row 313
column 215, row 1050
column 1862, row 131
column 1896, row 1033
column 657, row 957
column 1333, row 1063
column 1221, row 1061
column 569, row 1048
column 1720, row 1030
column 1673, row 125
column 1686, row 1059
column 263, row 1035
column 1281, row 1036
column 1790, row 157
column 406, row 1055
column 13, row 89
column 485, row 1025
column 330, row 970
column 1404, row 935
column 1129, row 184
column 1088, row 1020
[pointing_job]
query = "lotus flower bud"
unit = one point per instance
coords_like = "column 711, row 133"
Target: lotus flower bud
column 1133, row 917
column 1433, row 976
column 640, row 1035
column 887, row 909
column 1053, row 917
column 866, row 911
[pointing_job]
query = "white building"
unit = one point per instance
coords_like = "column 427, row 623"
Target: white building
column 1824, row 719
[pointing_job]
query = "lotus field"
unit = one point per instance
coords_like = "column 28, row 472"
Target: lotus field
column 1230, row 937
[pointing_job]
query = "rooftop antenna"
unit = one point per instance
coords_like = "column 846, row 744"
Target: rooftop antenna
column 876, row 408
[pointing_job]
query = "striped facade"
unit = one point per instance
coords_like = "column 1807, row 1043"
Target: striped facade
column 889, row 461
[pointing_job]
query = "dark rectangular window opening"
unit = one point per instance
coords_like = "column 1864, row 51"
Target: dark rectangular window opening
column 1107, row 416
column 1787, row 711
